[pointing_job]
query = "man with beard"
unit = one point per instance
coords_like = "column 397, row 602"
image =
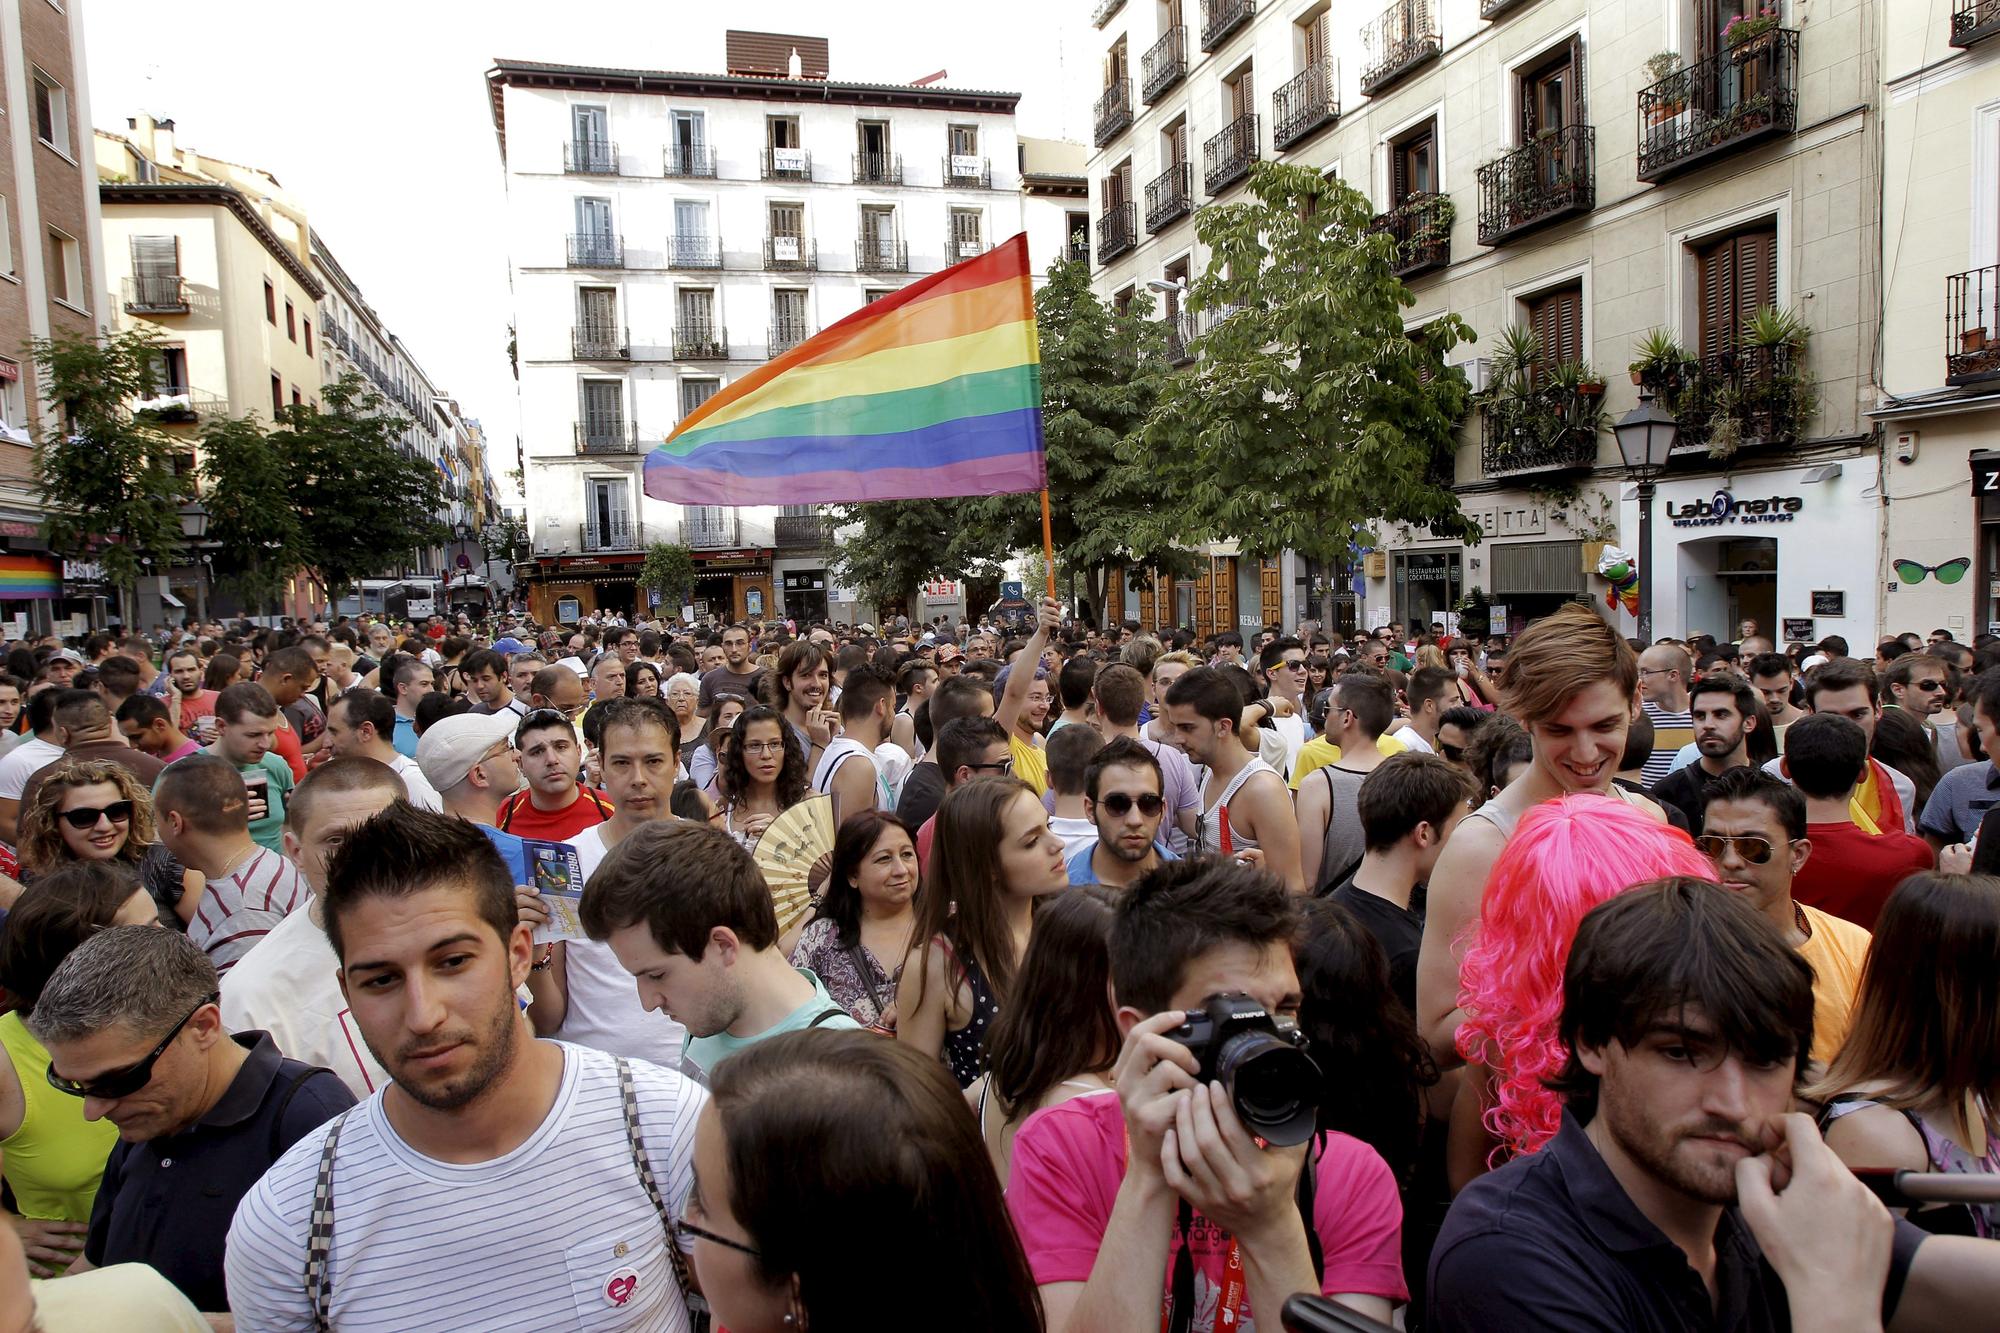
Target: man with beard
column 1725, row 712
column 1122, row 797
column 726, row 666
column 190, row 702
column 426, row 1177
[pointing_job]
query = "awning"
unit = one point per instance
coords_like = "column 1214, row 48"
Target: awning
column 172, row 600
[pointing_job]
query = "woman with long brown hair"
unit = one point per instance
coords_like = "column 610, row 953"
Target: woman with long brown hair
column 993, row 856
column 1916, row 1086
column 95, row 810
column 866, row 917
column 763, row 774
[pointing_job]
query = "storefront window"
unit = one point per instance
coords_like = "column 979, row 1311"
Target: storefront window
column 1427, row 584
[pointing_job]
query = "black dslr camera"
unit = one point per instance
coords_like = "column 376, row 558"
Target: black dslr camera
column 1260, row 1060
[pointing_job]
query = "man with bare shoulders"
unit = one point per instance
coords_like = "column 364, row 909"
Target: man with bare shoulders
column 1573, row 683
column 1246, row 807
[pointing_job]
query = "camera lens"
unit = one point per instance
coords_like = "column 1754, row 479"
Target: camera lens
column 1273, row 1085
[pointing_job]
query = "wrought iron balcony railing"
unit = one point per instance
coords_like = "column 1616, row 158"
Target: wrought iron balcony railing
column 622, row 534
column 694, row 252
column 790, row 254
column 1549, row 178
column 1227, row 156
column 590, row 157
column 802, row 532
column 1078, row 249
column 1741, row 95
column 1493, row 9
column 881, row 254
column 1309, row 102
column 1399, row 40
column 1165, row 63
column 1180, row 338
column 1113, row 113
column 700, row 340
column 787, row 334
column 594, row 249
column 594, row 341
column 1169, row 196
column 968, row 172
column 1220, row 18
column 688, row 160
column 156, row 294
column 609, row 436
column 1547, row 431
column 785, row 164
column 1421, row 226
column 1972, row 326
column 1117, row 230
column 1974, row 21
column 1742, row 397
column 176, row 404
column 878, row 168
column 709, row 534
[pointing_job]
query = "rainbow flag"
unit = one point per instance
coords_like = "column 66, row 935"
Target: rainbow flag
column 934, row 391
column 27, row 577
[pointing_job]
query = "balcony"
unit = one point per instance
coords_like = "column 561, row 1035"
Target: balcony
column 1165, row 64
column 878, row 168
column 1114, row 111
column 1744, row 397
column 803, row 532
column 1308, row 103
column 1227, row 156
column 1078, row 249
column 598, row 341
column 785, row 335
column 1180, row 338
column 700, row 340
column 1538, row 183
column 710, row 534
column 1101, row 15
column 1493, row 9
column 1421, row 226
column 610, row 436
column 621, row 534
column 156, row 294
column 881, row 254
column 966, row 171
column 1169, row 196
column 694, row 252
column 177, row 404
column 688, row 161
column 590, row 157
column 785, row 164
column 1974, row 21
column 1220, row 18
column 1399, row 41
column 596, row 250
column 1117, row 230
column 790, row 254
column 1735, row 98
column 1972, row 326
column 1540, row 431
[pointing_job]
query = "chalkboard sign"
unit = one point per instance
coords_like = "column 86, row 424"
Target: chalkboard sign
column 1832, row 604
column 1799, row 631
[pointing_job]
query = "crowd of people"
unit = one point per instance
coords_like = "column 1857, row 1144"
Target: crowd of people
column 361, row 976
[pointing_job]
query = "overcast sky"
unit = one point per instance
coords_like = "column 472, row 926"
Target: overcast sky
column 375, row 115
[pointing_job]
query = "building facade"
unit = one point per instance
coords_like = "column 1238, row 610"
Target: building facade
column 669, row 233
column 1588, row 171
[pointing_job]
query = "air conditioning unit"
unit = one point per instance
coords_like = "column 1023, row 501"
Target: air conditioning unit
column 1478, row 370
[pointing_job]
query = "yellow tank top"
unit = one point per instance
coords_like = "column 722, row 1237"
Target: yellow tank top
column 55, row 1159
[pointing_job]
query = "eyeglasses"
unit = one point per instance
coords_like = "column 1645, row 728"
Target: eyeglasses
column 1951, row 571
column 1120, row 803
column 687, row 1228
column 109, row 1087
column 764, row 747
column 1756, row 851
column 1928, row 686
column 84, row 818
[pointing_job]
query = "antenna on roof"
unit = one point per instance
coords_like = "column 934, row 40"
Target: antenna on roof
column 929, row 79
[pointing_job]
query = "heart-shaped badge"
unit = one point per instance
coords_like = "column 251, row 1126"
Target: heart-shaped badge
column 619, row 1288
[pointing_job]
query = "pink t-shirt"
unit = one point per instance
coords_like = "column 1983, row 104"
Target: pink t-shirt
column 1069, row 1160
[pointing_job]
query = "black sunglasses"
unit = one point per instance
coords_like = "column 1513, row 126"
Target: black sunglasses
column 687, row 1228
column 109, row 1087
column 84, row 818
column 1454, row 753
column 1120, row 803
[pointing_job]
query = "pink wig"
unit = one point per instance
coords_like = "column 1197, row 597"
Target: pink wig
column 1569, row 855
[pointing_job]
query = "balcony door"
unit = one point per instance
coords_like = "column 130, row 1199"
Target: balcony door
column 878, row 236
column 690, row 130
column 1413, row 164
column 1735, row 277
column 709, row 526
column 597, row 313
column 1174, row 143
column 603, row 411
column 788, row 314
column 1552, row 101
column 608, row 512
column 593, row 220
column 695, row 307
column 965, row 241
column 788, row 231
column 1556, row 319
column 1241, row 94
column 1318, row 49
column 590, row 126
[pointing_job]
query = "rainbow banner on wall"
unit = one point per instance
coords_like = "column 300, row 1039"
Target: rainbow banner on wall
column 25, row 578
column 934, row 391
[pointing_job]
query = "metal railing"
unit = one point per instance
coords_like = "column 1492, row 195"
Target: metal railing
column 1309, row 102
column 1741, row 95
column 616, row 436
column 1181, row 334
column 156, row 294
column 881, row 254
column 1220, row 18
column 1423, row 237
column 1534, row 434
column 968, row 172
column 1101, row 15
column 688, row 160
column 964, row 247
column 878, row 168
column 594, row 341
column 1549, row 178
column 700, row 340
column 1974, row 21
column 1169, row 195
column 711, row 534
column 177, row 403
column 1972, row 326
column 1078, row 249
column 1164, row 64
column 1227, row 156
column 787, row 334
column 1117, row 230
column 785, row 164
column 1113, row 112
column 590, row 157
column 1760, row 392
column 1399, row 39
column 596, row 250
column 626, row 536
column 790, row 254
column 802, row 532
column 694, row 252
column 1493, row 9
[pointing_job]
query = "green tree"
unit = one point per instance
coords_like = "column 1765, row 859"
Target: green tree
column 246, row 488
column 110, row 478
column 1310, row 413
column 669, row 570
column 890, row 547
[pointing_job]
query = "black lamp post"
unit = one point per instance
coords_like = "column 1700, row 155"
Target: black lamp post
column 1646, row 438
column 194, row 526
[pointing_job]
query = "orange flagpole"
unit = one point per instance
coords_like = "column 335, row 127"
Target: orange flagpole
column 1048, row 542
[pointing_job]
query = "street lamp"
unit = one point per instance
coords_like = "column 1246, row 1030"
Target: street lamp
column 194, row 526
column 1646, row 438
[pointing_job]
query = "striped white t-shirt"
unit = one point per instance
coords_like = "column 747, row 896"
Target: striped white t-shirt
column 240, row 909
column 557, row 1234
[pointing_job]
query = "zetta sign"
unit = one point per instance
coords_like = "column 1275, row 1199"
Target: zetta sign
column 1726, row 508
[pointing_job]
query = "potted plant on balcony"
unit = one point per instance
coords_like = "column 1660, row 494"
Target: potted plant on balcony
column 1972, row 339
column 1743, row 29
column 1589, row 384
column 1660, row 68
column 1434, row 217
column 1660, row 360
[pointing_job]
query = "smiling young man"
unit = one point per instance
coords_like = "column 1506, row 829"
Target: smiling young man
column 431, row 1175
column 1122, row 799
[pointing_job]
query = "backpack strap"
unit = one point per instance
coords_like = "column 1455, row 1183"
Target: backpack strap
column 827, row 1015
column 319, row 1233
column 628, row 1100
column 278, row 1145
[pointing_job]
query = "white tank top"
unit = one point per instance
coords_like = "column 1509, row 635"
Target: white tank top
column 839, row 752
column 1217, row 837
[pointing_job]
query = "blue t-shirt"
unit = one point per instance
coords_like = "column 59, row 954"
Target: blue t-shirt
column 1082, row 872
column 405, row 739
column 821, row 1011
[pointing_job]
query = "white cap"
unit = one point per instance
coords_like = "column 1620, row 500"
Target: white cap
column 452, row 745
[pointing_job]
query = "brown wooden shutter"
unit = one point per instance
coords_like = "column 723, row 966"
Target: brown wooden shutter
column 1716, row 275
column 1316, row 43
column 1242, row 96
column 1575, row 108
column 1180, row 143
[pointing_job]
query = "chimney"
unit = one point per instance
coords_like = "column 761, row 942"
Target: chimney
column 797, row 67
column 162, row 147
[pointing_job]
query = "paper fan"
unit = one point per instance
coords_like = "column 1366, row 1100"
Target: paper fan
column 795, row 854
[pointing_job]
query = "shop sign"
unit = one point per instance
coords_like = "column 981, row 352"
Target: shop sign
column 839, row 594
column 1799, row 630
column 941, row 590
column 82, row 572
column 1830, row 603
column 1986, row 476
column 1723, row 507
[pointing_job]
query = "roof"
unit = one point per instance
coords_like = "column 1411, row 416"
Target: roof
column 771, row 53
column 591, row 78
column 217, row 195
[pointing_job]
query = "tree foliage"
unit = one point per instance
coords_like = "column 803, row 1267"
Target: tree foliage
column 669, row 571
column 107, row 474
column 887, row 549
column 246, row 488
column 1310, row 413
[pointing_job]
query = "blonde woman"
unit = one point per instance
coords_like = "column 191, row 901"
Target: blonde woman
column 95, row 810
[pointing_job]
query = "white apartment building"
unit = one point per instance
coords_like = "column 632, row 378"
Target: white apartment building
column 1591, row 170
column 670, row 232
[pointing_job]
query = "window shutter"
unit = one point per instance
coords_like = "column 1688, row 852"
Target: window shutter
column 1575, row 104
column 1242, row 96
column 1717, row 275
column 1707, row 27
column 156, row 256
